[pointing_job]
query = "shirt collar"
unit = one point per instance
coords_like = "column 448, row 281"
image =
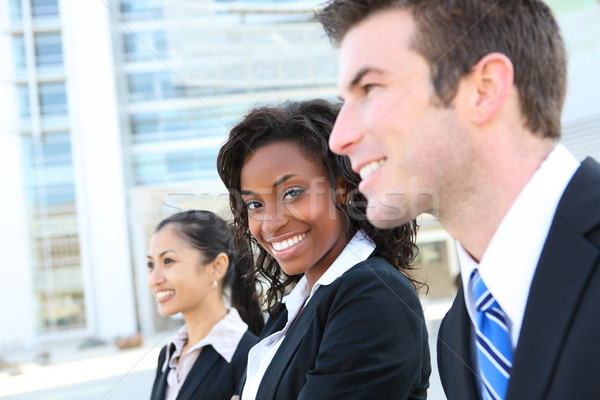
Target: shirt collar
column 509, row 262
column 224, row 337
column 358, row 249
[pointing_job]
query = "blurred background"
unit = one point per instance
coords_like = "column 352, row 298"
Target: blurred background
column 111, row 116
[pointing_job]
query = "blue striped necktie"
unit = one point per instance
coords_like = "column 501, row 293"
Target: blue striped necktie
column 493, row 341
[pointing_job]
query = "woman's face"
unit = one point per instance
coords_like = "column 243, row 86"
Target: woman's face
column 176, row 275
column 290, row 210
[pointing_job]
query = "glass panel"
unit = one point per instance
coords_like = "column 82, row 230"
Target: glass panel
column 16, row 13
column 53, row 99
column 51, row 150
column 169, row 125
column 44, row 9
column 433, row 267
column 170, row 86
column 49, row 52
column 23, row 101
column 57, row 274
column 141, row 9
column 60, row 310
column 146, row 86
column 141, row 46
column 176, row 166
column 19, row 53
column 141, row 86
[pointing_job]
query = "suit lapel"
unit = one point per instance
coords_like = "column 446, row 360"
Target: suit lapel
column 159, row 393
column 454, row 349
column 566, row 262
column 158, row 390
column 287, row 350
column 204, row 363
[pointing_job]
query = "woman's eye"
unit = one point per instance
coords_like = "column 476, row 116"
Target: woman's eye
column 253, row 205
column 168, row 261
column 292, row 193
column 150, row 265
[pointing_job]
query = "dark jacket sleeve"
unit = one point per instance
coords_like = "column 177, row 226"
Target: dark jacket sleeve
column 374, row 342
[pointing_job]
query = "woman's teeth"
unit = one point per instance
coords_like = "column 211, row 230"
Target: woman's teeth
column 164, row 293
column 286, row 244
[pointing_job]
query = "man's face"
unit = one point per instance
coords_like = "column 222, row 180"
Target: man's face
column 405, row 148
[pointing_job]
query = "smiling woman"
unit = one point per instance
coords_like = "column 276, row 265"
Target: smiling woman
column 353, row 326
column 191, row 259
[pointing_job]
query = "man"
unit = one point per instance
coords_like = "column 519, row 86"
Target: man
column 453, row 108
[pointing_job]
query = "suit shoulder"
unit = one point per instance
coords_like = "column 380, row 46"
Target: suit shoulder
column 374, row 272
column 375, row 275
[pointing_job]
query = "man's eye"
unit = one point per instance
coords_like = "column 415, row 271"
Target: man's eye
column 253, row 204
column 367, row 88
column 292, row 193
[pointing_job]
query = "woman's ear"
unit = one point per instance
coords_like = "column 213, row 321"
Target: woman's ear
column 218, row 267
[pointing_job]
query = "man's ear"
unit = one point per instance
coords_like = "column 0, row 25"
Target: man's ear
column 492, row 78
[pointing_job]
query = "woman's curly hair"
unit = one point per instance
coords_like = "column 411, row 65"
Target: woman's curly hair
column 307, row 124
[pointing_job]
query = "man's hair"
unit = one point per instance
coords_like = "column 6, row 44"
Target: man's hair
column 454, row 35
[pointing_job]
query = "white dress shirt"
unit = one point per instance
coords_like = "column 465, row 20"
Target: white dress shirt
column 224, row 337
column 509, row 262
column 260, row 356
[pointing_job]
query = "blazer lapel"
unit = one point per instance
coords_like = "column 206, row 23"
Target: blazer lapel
column 207, row 358
column 158, row 390
column 454, row 351
column 566, row 262
column 287, row 350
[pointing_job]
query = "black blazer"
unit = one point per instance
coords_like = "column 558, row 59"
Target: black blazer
column 361, row 337
column 558, row 354
column 211, row 376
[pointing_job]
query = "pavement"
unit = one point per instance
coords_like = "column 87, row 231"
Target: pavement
column 105, row 372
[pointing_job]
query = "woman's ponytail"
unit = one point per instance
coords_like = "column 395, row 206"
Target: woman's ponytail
column 243, row 292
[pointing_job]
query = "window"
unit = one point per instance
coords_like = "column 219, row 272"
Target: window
column 44, row 9
column 176, row 166
column 23, row 101
column 169, row 125
column 55, row 246
column 19, row 55
column 141, row 9
column 143, row 46
column 53, row 99
column 145, row 86
column 48, row 52
column 16, row 13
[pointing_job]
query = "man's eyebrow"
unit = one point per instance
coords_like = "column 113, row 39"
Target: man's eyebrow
column 358, row 76
column 277, row 183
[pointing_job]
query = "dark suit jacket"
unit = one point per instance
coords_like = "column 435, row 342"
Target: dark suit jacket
column 362, row 337
column 211, row 376
column 558, row 354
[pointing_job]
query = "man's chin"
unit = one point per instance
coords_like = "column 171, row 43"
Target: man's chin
column 385, row 217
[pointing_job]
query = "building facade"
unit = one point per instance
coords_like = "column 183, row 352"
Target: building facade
column 113, row 113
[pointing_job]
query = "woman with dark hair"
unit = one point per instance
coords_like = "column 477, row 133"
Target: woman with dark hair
column 353, row 326
column 191, row 260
